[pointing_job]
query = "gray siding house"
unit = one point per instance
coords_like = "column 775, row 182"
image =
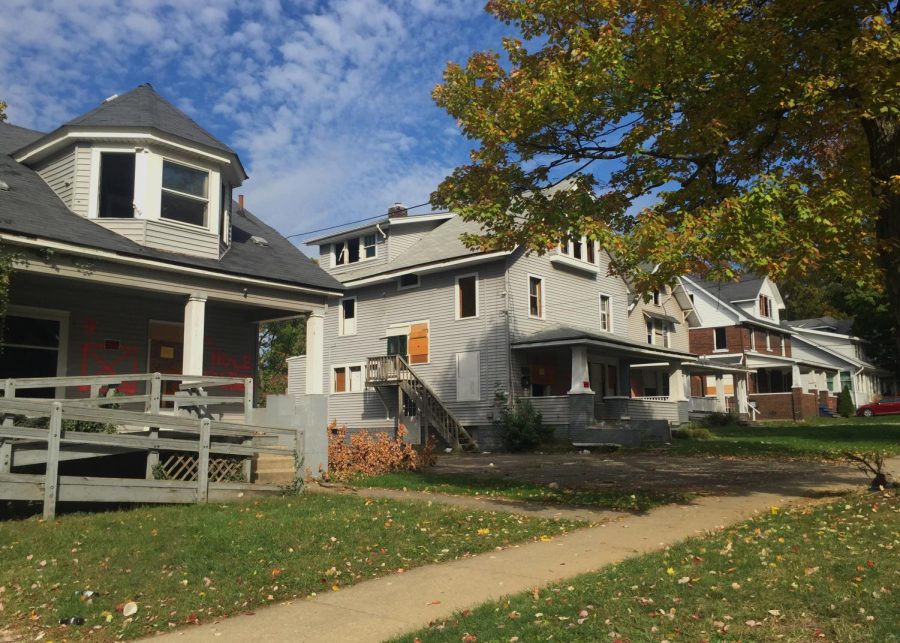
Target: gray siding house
column 130, row 254
column 473, row 329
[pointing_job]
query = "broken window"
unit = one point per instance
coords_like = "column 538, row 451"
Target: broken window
column 348, row 316
column 116, row 185
column 466, row 296
column 721, row 340
column 185, row 195
column 536, row 297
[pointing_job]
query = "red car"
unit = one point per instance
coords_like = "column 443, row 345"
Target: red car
column 887, row 406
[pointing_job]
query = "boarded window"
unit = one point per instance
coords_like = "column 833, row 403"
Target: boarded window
column 355, row 381
column 468, row 376
column 116, row 185
column 536, row 297
column 340, row 380
column 418, row 343
column 466, row 296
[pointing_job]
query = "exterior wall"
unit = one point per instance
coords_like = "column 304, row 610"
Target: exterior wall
column 97, row 314
column 173, row 237
column 59, row 174
column 296, row 383
column 380, row 306
column 637, row 328
column 404, row 236
column 571, row 296
column 738, row 340
column 553, row 409
column 82, row 188
column 795, row 405
column 326, row 254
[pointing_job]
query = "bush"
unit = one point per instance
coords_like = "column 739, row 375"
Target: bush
column 845, row 405
column 720, row 419
column 692, row 433
column 374, row 453
column 523, row 427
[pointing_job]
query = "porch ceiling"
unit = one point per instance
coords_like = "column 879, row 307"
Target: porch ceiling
column 611, row 344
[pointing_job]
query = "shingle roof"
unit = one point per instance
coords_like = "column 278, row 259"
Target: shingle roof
column 731, row 291
column 826, row 323
column 560, row 333
column 441, row 244
column 143, row 107
column 31, row 208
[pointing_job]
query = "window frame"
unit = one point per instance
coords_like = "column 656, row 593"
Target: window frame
column 400, row 285
column 587, row 247
column 342, row 320
column 724, row 331
column 50, row 314
column 765, row 306
column 207, row 200
column 458, row 299
column 542, row 297
column 347, row 368
column 609, row 312
column 361, row 257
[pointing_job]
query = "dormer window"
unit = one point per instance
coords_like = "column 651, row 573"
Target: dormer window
column 355, row 249
column 185, row 193
column 765, row 306
column 580, row 248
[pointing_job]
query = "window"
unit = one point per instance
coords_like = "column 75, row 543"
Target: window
column 666, row 333
column 720, row 339
column 408, row 281
column 185, row 195
column 34, row 345
column 576, row 249
column 752, row 340
column 829, row 378
column 605, row 313
column 649, row 331
column 580, row 248
column 658, row 332
column 656, row 297
column 591, row 251
column 467, row 296
column 765, row 306
column 355, row 249
column 768, row 341
column 348, row 316
column 116, row 185
column 347, row 379
column 536, row 297
column 783, row 345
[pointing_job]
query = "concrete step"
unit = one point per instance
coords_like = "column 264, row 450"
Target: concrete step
column 273, row 469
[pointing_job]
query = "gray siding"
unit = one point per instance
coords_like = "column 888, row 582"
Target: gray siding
column 380, row 306
column 637, row 328
column 166, row 236
column 59, row 174
column 572, row 297
column 82, row 186
column 404, row 236
column 326, row 256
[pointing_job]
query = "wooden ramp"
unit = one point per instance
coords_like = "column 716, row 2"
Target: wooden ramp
column 189, row 455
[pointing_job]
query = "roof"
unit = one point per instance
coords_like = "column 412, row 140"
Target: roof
column 31, row 208
column 384, row 222
column 13, row 137
column 566, row 334
column 731, row 291
column 827, row 323
column 440, row 244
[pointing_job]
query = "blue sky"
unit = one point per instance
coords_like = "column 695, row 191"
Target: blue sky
column 328, row 103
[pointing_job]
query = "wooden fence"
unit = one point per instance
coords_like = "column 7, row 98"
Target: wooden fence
column 189, row 427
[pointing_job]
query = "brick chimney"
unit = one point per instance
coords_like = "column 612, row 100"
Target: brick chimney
column 397, row 210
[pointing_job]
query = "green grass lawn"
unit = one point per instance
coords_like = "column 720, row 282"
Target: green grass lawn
column 824, row 438
column 193, row 563
column 612, row 499
column 831, row 573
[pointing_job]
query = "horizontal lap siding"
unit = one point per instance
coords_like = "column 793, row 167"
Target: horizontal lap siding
column 572, row 297
column 405, row 236
column 554, row 410
column 296, row 368
column 134, row 229
column 647, row 410
column 59, row 174
column 380, row 306
column 679, row 340
column 82, row 186
column 185, row 241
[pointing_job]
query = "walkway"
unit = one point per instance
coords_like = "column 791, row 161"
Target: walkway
column 387, row 607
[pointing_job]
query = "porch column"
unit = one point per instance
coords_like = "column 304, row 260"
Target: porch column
column 315, row 349
column 581, row 379
column 796, row 380
column 720, row 393
column 740, row 394
column 194, row 323
column 676, row 383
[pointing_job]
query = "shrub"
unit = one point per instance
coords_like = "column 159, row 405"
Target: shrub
column 692, row 433
column 845, row 405
column 720, row 419
column 523, row 427
column 370, row 454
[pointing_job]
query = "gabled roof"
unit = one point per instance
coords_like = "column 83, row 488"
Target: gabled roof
column 826, row 323
column 13, row 137
column 561, row 335
column 31, row 208
column 731, row 291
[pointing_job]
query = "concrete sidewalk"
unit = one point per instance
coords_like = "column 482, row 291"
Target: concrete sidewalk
column 387, row 607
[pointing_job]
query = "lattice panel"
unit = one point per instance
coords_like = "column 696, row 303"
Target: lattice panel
column 183, row 466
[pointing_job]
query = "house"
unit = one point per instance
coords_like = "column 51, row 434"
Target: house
column 829, row 340
column 739, row 323
column 131, row 255
column 431, row 334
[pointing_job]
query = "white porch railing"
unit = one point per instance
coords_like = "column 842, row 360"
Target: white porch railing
column 653, row 398
column 705, row 405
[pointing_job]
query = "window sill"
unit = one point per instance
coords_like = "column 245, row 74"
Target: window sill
column 577, row 264
column 721, row 350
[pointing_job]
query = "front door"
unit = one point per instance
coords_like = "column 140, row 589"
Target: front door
column 166, row 352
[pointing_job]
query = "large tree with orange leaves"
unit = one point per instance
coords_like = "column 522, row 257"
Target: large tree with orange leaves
column 704, row 137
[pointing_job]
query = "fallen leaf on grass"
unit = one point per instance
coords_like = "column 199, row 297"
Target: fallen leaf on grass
column 129, row 609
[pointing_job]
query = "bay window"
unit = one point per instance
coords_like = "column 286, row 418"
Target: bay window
column 185, row 193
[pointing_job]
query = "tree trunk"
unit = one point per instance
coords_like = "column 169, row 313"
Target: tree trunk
column 883, row 135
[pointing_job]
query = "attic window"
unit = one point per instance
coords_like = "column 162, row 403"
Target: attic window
column 116, row 185
column 184, row 193
column 355, row 249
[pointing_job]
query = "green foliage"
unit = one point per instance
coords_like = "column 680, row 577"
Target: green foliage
column 845, row 406
column 749, row 159
column 2, row 111
column 720, row 419
column 692, row 433
column 523, row 426
column 279, row 340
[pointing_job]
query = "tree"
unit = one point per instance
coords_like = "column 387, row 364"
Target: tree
column 845, row 405
column 758, row 135
column 2, row 111
column 279, row 340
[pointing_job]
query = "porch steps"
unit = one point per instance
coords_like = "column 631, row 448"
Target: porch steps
column 273, row 469
column 393, row 370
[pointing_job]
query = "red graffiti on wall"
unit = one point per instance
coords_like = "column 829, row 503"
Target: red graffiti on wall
column 97, row 359
column 221, row 363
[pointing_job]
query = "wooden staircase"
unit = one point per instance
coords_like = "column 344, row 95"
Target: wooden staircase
column 393, row 370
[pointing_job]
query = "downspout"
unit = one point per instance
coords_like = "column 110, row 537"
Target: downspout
column 506, row 324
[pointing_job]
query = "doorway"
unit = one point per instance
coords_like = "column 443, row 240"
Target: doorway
column 166, row 350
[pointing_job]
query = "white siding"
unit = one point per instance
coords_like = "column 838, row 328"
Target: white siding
column 59, row 174
column 82, row 187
